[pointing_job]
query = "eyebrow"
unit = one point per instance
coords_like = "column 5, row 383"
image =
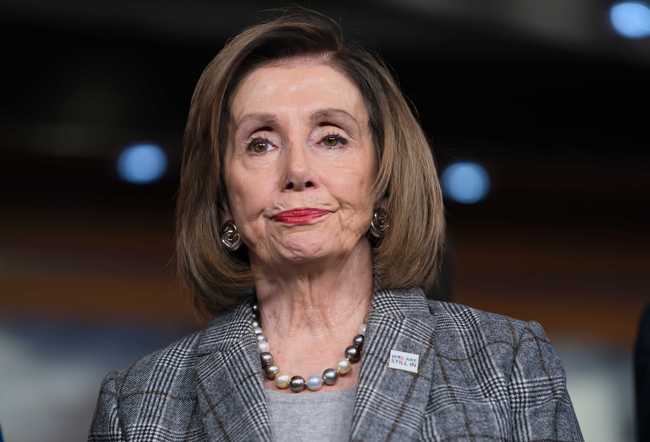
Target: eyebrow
column 321, row 114
column 333, row 112
column 260, row 117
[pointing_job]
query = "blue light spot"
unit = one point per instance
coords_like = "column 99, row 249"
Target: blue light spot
column 141, row 163
column 631, row 19
column 465, row 182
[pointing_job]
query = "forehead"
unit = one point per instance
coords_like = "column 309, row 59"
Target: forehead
column 304, row 85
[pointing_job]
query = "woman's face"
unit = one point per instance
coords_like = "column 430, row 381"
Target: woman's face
column 300, row 163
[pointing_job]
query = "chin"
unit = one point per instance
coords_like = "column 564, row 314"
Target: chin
column 308, row 247
column 312, row 251
column 305, row 254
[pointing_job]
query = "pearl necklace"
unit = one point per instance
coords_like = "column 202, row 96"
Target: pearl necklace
column 315, row 381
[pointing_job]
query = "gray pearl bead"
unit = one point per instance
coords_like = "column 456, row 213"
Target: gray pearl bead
column 297, row 384
column 271, row 371
column 330, row 376
column 358, row 341
column 314, row 382
column 267, row 359
column 353, row 354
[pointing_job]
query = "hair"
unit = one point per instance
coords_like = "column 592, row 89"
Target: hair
column 406, row 185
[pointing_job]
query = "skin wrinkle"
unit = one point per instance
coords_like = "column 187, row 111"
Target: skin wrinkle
column 314, row 281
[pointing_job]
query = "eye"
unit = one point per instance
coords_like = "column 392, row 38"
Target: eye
column 259, row 145
column 332, row 141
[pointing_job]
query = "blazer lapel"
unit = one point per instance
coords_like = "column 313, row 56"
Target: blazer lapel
column 390, row 403
column 231, row 395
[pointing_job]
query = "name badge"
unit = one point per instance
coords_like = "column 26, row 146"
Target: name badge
column 401, row 360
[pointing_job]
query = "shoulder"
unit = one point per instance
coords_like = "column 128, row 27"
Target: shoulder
column 172, row 367
column 459, row 319
column 467, row 333
column 510, row 361
column 128, row 397
column 166, row 369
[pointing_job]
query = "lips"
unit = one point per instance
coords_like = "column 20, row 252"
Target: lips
column 299, row 216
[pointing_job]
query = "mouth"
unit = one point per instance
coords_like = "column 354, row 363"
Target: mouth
column 300, row 216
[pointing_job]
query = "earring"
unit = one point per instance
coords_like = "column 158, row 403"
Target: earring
column 230, row 237
column 379, row 223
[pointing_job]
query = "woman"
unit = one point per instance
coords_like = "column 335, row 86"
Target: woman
column 309, row 220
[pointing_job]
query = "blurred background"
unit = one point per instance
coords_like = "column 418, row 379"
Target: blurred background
column 537, row 110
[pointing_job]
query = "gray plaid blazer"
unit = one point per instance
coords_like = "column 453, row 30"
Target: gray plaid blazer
column 481, row 377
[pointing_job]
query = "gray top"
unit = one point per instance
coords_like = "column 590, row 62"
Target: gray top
column 315, row 417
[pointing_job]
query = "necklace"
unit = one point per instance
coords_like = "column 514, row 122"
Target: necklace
column 315, row 381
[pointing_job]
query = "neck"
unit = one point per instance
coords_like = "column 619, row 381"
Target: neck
column 315, row 299
column 310, row 314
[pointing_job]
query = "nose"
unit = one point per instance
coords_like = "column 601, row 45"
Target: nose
column 299, row 175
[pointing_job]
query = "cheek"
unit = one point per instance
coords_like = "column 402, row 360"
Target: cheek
column 246, row 202
column 246, row 197
column 353, row 192
column 353, row 182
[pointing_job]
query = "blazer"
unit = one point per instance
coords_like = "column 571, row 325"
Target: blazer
column 480, row 377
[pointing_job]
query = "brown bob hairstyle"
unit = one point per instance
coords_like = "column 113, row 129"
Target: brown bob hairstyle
column 407, row 185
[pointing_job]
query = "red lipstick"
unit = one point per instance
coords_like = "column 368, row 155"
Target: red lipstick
column 299, row 216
